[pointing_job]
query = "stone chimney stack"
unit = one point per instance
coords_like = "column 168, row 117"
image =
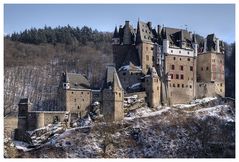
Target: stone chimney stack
column 205, row 46
column 159, row 29
column 217, row 46
column 127, row 23
column 149, row 25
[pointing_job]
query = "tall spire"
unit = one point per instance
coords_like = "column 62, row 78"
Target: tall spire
column 116, row 34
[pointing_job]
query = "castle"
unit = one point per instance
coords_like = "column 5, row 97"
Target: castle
column 187, row 67
column 171, row 66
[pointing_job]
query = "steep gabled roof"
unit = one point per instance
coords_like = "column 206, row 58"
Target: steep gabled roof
column 211, row 42
column 144, row 33
column 175, row 36
column 116, row 33
column 112, row 80
column 77, row 81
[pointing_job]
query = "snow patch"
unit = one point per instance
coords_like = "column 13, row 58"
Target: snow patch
column 203, row 100
column 146, row 112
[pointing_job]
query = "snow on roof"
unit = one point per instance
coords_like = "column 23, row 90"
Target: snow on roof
column 128, row 67
column 135, row 85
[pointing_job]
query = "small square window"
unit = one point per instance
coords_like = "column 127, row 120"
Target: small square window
column 188, row 59
column 172, row 67
column 181, row 67
column 171, row 76
column 182, row 76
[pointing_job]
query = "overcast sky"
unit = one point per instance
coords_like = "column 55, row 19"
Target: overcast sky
column 198, row 18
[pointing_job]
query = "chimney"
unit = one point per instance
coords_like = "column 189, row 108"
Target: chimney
column 149, row 25
column 159, row 29
column 127, row 23
column 205, row 46
column 191, row 35
column 217, row 46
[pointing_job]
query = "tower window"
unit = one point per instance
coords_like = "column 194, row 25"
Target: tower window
column 181, row 76
column 190, row 86
column 201, row 68
column 191, row 68
column 177, row 76
column 207, row 68
column 179, row 51
column 171, row 76
column 172, row 67
column 173, row 85
column 188, row 59
column 174, row 58
column 119, row 94
column 171, row 51
column 188, row 52
column 180, row 59
column 182, row 85
column 178, row 85
column 181, row 67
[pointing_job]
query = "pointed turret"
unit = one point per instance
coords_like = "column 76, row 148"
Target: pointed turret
column 113, row 96
column 116, row 33
column 152, row 87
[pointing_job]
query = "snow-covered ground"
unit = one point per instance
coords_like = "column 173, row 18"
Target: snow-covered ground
column 160, row 133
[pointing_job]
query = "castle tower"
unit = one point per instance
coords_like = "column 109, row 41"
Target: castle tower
column 127, row 34
column 152, row 87
column 23, row 114
column 116, row 38
column 145, row 45
column 210, row 68
column 113, row 97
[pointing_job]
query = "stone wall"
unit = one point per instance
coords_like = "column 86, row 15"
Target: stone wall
column 146, row 55
column 38, row 119
column 128, row 78
column 78, row 101
column 120, row 53
column 182, row 82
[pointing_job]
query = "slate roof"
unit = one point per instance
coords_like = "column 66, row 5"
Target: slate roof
column 175, row 36
column 132, row 57
column 23, row 101
column 211, row 42
column 112, row 80
column 77, row 81
column 144, row 33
